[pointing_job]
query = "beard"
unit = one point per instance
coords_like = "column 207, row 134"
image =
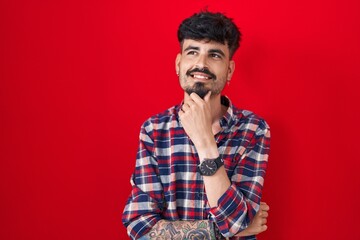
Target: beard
column 198, row 88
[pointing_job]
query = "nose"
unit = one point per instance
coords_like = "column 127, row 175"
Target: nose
column 201, row 61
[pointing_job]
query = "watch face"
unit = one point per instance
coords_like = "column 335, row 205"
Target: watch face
column 208, row 167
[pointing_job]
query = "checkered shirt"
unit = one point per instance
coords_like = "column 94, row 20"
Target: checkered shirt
column 167, row 185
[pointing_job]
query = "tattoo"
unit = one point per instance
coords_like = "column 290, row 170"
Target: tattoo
column 182, row 230
column 170, row 227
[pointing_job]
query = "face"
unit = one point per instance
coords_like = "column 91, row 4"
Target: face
column 204, row 66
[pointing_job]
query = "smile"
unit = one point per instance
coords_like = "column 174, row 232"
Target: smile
column 201, row 74
column 198, row 76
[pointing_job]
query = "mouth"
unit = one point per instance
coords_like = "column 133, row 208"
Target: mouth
column 200, row 76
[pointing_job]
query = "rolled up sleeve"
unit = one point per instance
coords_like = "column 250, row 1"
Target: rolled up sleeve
column 146, row 201
column 239, row 204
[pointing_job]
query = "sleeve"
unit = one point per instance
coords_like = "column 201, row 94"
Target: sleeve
column 145, row 203
column 239, row 204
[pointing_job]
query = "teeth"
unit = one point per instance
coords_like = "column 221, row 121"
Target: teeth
column 200, row 76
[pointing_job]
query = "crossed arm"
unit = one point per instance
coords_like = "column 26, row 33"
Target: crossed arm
column 202, row 229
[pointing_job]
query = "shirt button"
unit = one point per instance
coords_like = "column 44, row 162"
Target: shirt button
column 199, row 195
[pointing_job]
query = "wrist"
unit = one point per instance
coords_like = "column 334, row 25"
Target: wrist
column 207, row 151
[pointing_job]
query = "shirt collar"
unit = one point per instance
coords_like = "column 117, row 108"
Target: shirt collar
column 227, row 119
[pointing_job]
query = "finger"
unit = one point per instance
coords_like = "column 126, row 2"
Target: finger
column 264, row 207
column 185, row 107
column 190, row 102
column 261, row 229
column 207, row 96
column 195, row 97
column 264, row 214
column 263, row 221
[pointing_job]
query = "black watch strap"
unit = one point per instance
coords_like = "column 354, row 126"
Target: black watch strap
column 219, row 161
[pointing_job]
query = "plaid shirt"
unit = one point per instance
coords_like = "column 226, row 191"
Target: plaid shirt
column 167, row 185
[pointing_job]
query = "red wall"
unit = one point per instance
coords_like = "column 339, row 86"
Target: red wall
column 79, row 77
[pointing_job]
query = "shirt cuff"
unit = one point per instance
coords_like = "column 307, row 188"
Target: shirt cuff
column 230, row 209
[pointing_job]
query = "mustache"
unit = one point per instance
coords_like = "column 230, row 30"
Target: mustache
column 202, row 70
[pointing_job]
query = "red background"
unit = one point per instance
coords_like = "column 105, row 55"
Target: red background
column 79, row 77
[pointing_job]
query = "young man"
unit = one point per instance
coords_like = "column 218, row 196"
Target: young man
column 200, row 165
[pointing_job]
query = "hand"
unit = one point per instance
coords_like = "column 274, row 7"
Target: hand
column 195, row 117
column 258, row 224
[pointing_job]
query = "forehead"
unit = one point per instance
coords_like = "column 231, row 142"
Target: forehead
column 205, row 45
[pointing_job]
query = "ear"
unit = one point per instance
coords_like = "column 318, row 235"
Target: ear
column 231, row 69
column 177, row 62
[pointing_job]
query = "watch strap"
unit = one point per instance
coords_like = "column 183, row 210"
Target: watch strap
column 219, row 161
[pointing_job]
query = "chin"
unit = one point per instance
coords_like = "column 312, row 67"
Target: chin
column 200, row 92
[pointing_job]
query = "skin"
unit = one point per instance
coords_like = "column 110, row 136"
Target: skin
column 204, row 54
column 200, row 117
column 200, row 120
column 258, row 224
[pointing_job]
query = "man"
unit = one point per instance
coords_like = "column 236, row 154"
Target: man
column 200, row 165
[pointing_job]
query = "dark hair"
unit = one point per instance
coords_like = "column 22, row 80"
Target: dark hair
column 210, row 26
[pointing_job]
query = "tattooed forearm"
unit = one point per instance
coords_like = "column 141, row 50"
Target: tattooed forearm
column 182, row 230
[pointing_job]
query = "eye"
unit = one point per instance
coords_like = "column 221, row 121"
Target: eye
column 192, row 53
column 215, row 55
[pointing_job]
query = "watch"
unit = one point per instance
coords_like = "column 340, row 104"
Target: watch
column 208, row 167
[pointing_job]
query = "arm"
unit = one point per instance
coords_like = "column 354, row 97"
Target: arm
column 203, row 229
column 196, row 118
column 238, row 205
column 146, row 200
column 234, row 203
column 142, row 213
column 178, row 230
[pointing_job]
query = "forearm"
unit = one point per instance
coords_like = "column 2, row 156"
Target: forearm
column 217, row 184
column 163, row 229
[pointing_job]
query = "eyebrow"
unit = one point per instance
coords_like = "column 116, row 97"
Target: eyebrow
column 190, row 47
column 217, row 51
